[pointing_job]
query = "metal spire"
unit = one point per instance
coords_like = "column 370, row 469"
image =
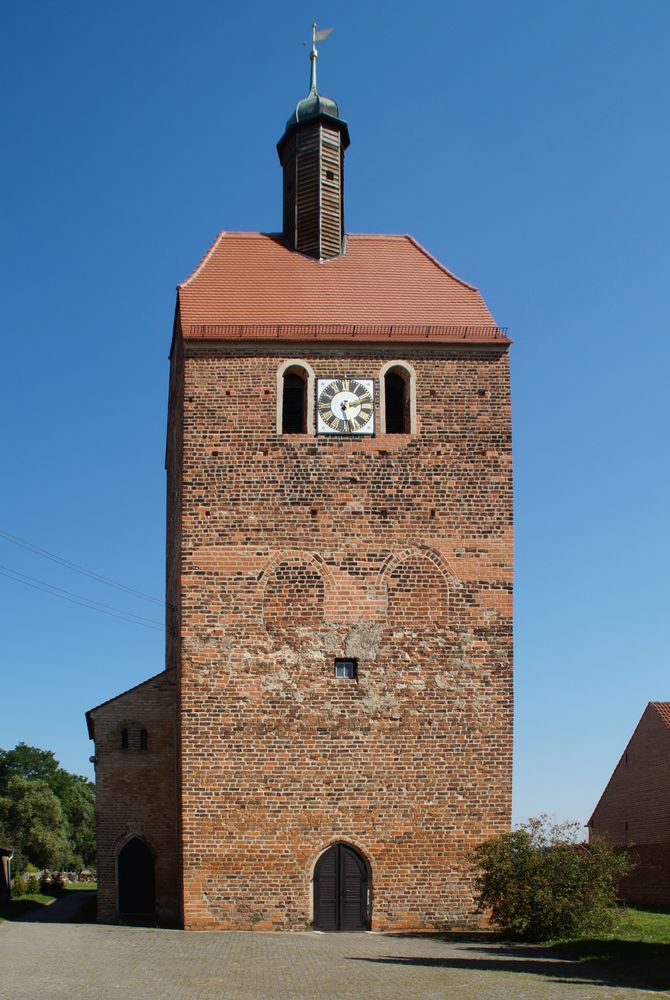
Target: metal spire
column 313, row 56
column 317, row 36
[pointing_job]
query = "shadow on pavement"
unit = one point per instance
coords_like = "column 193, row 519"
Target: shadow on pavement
column 71, row 908
column 13, row 909
column 529, row 960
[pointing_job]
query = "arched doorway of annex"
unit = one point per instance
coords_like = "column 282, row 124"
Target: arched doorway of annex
column 135, row 878
column 341, row 889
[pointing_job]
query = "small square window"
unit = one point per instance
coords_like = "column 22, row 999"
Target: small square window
column 345, row 669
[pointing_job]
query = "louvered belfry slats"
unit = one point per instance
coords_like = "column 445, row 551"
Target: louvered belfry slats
column 331, row 193
column 307, row 191
column 312, row 158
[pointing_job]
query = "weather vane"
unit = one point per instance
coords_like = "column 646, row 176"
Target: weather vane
column 317, row 36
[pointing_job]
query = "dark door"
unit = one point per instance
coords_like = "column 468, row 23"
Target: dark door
column 136, row 879
column 340, row 890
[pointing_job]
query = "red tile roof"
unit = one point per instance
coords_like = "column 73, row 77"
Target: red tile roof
column 663, row 709
column 384, row 287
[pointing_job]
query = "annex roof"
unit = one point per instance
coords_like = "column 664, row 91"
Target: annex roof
column 252, row 285
column 90, row 715
column 663, row 710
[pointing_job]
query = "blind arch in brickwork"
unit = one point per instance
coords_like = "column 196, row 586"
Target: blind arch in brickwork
column 417, row 588
column 294, row 592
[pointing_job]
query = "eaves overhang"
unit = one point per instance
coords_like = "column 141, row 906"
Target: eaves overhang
column 341, row 332
column 321, row 117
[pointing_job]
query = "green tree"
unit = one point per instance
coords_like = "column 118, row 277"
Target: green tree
column 27, row 762
column 540, row 882
column 77, row 799
column 33, row 824
column 75, row 796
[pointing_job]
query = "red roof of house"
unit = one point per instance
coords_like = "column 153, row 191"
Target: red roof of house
column 663, row 709
column 384, row 287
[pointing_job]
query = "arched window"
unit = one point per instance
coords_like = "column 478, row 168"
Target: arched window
column 397, row 403
column 398, row 407
column 124, row 739
column 295, row 398
column 294, row 403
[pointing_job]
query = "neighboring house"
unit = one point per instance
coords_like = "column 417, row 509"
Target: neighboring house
column 5, row 860
column 634, row 810
column 332, row 734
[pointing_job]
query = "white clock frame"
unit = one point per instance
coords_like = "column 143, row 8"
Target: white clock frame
column 323, row 427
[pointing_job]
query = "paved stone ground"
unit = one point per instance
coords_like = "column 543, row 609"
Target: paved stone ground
column 97, row 962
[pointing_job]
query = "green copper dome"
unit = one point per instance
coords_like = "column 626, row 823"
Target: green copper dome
column 314, row 104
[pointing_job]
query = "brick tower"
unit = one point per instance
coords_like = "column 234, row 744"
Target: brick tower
column 332, row 733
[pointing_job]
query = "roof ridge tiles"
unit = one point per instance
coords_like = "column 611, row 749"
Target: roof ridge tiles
column 380, row 236
column 440, row 265
column 373, row 236
column 203, row 262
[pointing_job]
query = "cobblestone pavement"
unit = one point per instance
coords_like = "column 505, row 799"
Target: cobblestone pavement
column 98, row 962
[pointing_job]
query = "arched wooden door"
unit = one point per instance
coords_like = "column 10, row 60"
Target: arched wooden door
column 341, row 890
column 135, row 872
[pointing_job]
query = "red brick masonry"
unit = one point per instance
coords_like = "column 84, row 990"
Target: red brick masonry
column 395, row 550
column 634, row 810
column 286, row 551
column 136, row 793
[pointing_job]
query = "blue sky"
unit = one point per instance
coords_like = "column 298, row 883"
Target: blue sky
column 524, row 144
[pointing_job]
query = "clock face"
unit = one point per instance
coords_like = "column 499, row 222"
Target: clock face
column 345, row 406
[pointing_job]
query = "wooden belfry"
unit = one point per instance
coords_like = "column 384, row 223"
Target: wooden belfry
column 311, row 152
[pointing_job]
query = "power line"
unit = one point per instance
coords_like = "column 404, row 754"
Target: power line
column 85, row 602
column 149, row 623
column 80, row 597
column 77, row 569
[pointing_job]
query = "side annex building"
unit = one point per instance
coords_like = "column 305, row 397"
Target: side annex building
column 633, row 812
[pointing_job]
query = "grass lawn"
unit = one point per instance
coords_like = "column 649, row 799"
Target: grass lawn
column 638, row 947
column 23, row 904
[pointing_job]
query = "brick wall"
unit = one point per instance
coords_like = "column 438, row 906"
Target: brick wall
column 635, row 806
column 634, row 810
column 395, row 550
column 173, row 465
column 648, row 883
column 136, row 789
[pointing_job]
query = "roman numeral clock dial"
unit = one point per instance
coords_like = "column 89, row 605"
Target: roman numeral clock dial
column 345, row 406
